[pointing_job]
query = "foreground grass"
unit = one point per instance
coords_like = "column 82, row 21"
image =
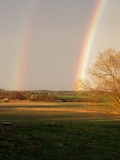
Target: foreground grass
column 59, row 131
column 61, row 141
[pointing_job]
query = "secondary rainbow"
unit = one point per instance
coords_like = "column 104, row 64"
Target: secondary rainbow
column 22, row 48
column 87, row 43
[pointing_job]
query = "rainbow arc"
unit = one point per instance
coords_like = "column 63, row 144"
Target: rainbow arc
column 88, row 41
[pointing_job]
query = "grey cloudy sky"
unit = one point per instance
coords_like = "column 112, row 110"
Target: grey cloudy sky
column 41, row 40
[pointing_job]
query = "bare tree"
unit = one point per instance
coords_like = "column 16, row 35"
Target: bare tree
column 105, row 75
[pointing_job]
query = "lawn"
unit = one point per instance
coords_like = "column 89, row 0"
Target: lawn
column 59, row 131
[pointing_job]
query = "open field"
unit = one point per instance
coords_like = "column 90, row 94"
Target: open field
column 60, row 111
column 62, row 131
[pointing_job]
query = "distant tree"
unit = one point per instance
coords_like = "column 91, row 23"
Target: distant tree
column 26, row 95
column 52, row 98
column 105, row 75
column 2, row 93
column 16, row 95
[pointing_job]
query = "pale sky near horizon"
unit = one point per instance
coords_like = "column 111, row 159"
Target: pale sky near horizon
column 42, row 39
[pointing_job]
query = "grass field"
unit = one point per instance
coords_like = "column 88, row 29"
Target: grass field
column 59, row 131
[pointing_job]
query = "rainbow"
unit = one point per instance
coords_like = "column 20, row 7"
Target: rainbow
column 22, row 48
column 87, row 43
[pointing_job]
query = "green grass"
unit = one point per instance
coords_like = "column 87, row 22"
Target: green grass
column 51, row 141
column 59, row 135
column 84, row 98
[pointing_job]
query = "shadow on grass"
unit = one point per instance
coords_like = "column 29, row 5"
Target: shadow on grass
column 60, row 140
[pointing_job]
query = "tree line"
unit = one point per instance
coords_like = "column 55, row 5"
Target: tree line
column 26, row 95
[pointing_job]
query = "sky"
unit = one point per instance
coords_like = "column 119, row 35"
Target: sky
column 41, row 41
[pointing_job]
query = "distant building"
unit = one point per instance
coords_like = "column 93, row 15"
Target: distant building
column 6, row 99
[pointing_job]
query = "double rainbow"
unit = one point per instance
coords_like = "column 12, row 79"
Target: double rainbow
column 22, row 47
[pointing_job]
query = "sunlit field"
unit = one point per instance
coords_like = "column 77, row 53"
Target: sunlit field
column 62, row 131
column 36, row 112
